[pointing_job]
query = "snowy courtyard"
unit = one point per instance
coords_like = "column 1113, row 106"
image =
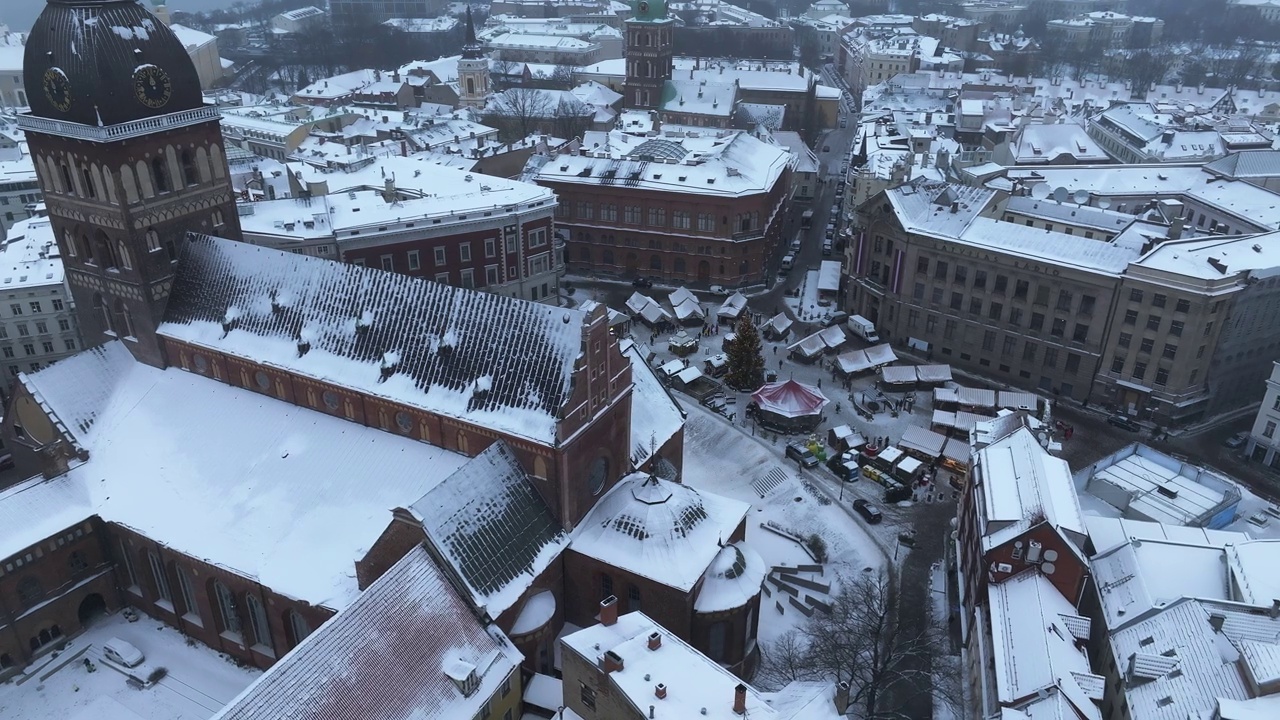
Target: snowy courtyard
column 199, row 681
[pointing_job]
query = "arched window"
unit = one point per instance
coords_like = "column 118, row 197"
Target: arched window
column 89, row 189
column 125, row 261
column 299, row 628
column 608, row 257
column 655, row 262
column 633, row 598
column 226, row 608
column 29, row 592
column 217, row 218
column 190, row 608
column 462, row 442
column 715, row 649
column 126, row 318
column 68, row 186
column 606, row 585
column 159, row 175
column 189, row 175
column 69, row 243
column 258, row 621
column 679, row 263
column 159, row 577
column 153, row 240
column 104, row 312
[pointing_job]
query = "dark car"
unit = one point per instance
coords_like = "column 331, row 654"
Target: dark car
column 869, row 512
column 1237, row 440
column 802, row 455
column 1124, row 422
column 642, row 282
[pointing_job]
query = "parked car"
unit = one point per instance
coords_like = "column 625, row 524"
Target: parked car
column 718, row 290
column 642, row 282
column 1236, row 441
column 844, row 123
column 826, row 148
column 836, row 319
column 1124, row 422
column 869, row 512
column 122, row 652
column 802, row 455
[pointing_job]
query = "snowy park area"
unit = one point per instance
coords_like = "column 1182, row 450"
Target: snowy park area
column 198, row 682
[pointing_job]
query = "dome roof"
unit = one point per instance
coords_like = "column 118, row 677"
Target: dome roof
column 103, row 62
column 661, row 530
column 731, row 580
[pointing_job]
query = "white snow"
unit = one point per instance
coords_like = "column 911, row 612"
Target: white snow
column 537, row 611
column 280, row 508
column 544, row 691
column 733, row 578
column 200, row 680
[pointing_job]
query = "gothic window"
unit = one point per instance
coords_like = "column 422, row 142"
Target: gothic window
column 104, row 312
column 258, row 621
column 126, row 319
column 633, row 598
column 70, row 243
column 125, row 261
column 655, row 263
column 87, row 247
column 299, row 628
column 189, row 175
column 68, row 186
column 716, row 649
column 158, row 576
column 87, row 176
column 217, row 218
column 227, row 608
column 188, row 594
column 153, row 240
column 159, row 175
column 29, row 592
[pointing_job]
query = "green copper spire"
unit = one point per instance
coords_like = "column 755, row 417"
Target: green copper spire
column 650, row 10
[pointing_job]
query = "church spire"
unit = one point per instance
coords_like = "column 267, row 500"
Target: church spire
column 471, row 48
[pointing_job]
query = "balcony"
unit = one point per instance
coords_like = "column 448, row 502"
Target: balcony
column 120, row 131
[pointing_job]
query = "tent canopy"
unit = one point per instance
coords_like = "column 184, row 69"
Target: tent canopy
column 779, row 323
column 733, row 307
column 922, row 440
column 790, row 399
column 881, row 354
column 933, row 373
column 898, row 374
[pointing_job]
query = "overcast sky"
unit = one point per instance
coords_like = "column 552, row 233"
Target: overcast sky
column 20, row 14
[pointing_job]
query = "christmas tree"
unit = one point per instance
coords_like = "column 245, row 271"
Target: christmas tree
column 746, row 364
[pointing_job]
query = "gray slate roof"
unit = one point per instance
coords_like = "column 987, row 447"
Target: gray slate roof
column 492, row 526
column 498, row 362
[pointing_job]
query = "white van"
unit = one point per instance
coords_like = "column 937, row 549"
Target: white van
column 788, row 262
column 122, row 652
column 863, row 328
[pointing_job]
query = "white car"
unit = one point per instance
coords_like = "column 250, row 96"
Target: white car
column 718, row 290
column 122, row 652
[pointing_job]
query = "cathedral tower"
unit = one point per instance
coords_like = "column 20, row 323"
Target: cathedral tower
column 129, row 157
column 648, row 54
column 473, row 70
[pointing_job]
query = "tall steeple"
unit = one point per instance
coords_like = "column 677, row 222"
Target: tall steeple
column 648, row 54
column 471, row 48
column 473, row 70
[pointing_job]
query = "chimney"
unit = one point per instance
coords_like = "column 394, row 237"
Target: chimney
column 1215, row 622
column 650, row 712
column 740, row 699
column 660, row 691
column 842, row 697
column 1275, row 608
column 609, row 610
column 611, row 662
column 655, row 640
column 404, row 148
column 1175, row 228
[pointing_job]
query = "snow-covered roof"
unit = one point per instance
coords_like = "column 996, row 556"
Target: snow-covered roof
column 492, row 526
column 923, row 440
column 1036, row 642
column 1145, row 574
column 732, row 580
column 417, row 343
column 733, row 306
column 721, row 163
column 790, row 398
column 1021, row 483
column 392, row 654
column 667, row 532
column 1107, row 533
column 693, row 681
column 144, row 471
column 1041, row 143
column 1160, row 487
column 191, row 38
column 1217, row 258
column 29, row 256
column 655, row 415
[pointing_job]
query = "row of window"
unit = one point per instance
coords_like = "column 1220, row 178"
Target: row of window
column 226, row 603
column 1160, row 300
column 959, row 275
column 36, row 307
column 1008, row 346
column 42, row 327
column 29, row 349
column 995, row 311
column 657, row 216
column 1066, row 229
column 1140, row 371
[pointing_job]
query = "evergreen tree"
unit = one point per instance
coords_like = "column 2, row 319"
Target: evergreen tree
column 746, row 364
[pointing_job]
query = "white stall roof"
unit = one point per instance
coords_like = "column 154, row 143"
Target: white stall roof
column 922, row 440
column 910, row 465
column 689, row 374
column 945, row 418
column 976, row 397
column 890, row 455
column 896, row 374
column 881, row 354
column 829, row 276
column 945, row 395
column 1017, row 400
column 956, row 449
column 933, row 373
column 853, row 361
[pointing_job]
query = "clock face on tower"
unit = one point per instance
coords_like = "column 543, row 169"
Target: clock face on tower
column 151, row 86
column 644, row 7
column 57, row 88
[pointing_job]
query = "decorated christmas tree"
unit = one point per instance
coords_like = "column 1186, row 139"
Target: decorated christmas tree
column 746, row 364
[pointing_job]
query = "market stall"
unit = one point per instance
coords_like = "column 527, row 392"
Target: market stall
column 789, row 406
column 898, row 378
column 923, row 443
column 683, row 344
column 778, row 327
column 731, row 309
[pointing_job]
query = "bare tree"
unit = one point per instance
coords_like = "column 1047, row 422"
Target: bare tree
column 501, row 70
column 516, row 112
column 571, row 119
column 862, row 643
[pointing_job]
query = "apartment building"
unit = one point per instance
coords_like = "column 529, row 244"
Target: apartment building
column 1264, row 442
column 1143, row 313
column 37, row 315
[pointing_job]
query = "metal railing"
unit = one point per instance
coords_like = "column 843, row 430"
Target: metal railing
column 119, row 131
